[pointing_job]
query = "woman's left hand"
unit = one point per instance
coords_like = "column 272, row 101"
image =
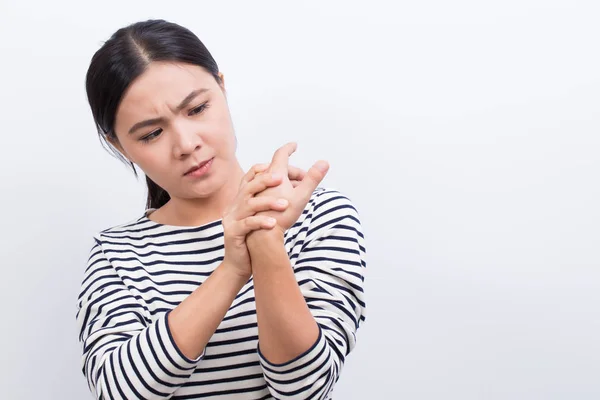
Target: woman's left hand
column 297, row 191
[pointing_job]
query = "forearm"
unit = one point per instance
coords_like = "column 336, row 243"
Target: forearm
column 286, row 327
column 193, row 322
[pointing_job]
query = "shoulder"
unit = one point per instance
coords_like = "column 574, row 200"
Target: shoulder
column 119, row 234
column 133, row 228
column 115, row 236
column 328, row 233
column 127, row 226
column 123, row 228
column 329, row 208
column 329, row 200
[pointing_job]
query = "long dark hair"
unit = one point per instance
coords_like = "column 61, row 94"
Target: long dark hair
column 123, row 58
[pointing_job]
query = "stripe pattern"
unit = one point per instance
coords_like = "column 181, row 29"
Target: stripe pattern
column 139, row 271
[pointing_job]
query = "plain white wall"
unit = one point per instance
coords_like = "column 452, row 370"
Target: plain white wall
column 466, row 132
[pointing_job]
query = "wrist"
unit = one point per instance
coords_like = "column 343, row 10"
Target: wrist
column 266, row 237
column 234, row 273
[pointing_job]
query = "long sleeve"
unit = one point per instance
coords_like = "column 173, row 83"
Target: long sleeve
column 125, row 355
column 327, row 252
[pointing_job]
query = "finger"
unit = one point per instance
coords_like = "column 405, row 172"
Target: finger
column 313, row 178
column 295, row 184
column 252, row 172
column 262, row 182
column 295, row 174
column 257, row 204
column 281, row 157
column 256, row 222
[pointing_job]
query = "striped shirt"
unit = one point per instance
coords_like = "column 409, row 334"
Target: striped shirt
column 139, row 271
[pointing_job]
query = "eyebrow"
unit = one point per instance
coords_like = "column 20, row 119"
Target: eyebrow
column 184, row 103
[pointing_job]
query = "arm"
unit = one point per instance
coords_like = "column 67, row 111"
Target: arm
column 286, row 328
column 125, row 355
column 328, row 258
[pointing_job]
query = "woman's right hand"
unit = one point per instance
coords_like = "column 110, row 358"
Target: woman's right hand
column 240, row 218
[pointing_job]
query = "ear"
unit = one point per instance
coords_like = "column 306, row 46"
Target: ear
column 222, row 84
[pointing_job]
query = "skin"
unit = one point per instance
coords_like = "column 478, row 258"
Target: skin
column 286, row 327
column 191, row 123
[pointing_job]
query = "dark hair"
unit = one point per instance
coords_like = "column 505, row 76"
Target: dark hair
column 123, row 58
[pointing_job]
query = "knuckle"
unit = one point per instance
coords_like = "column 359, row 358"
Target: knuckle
column 258, row 168
column 250, row 223
column 266, row 178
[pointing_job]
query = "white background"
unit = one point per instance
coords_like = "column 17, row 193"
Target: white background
column 466, row 132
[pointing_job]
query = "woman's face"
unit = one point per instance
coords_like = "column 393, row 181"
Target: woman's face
column 175, row 117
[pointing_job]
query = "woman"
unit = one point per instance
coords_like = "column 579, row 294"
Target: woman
column 231, row 284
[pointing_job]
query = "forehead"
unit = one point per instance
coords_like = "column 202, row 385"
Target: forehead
column 163, row 84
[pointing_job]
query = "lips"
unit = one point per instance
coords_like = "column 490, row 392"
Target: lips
column 197, row 166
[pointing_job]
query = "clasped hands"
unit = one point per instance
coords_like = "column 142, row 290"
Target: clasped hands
column 270, row 199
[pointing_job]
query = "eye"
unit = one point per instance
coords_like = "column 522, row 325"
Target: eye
column 199, row 109
column 151, row 135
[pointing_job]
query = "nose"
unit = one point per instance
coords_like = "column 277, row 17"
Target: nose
column 186, row 139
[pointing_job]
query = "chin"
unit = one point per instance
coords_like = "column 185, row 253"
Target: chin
column 206, row 189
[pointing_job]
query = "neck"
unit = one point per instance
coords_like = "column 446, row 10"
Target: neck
column 195, row 212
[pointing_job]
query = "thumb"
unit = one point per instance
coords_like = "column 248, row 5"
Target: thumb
column 312, row 179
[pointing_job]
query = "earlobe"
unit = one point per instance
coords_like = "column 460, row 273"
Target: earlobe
column 222, row 81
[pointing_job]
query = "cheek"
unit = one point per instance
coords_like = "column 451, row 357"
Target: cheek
column 153, row 160
column 222, row 136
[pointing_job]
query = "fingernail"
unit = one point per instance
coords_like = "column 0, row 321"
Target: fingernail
column 322, row 166
column 272, row 221
column 282, row 202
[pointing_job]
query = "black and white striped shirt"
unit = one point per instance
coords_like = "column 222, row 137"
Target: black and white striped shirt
column 139, row 271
